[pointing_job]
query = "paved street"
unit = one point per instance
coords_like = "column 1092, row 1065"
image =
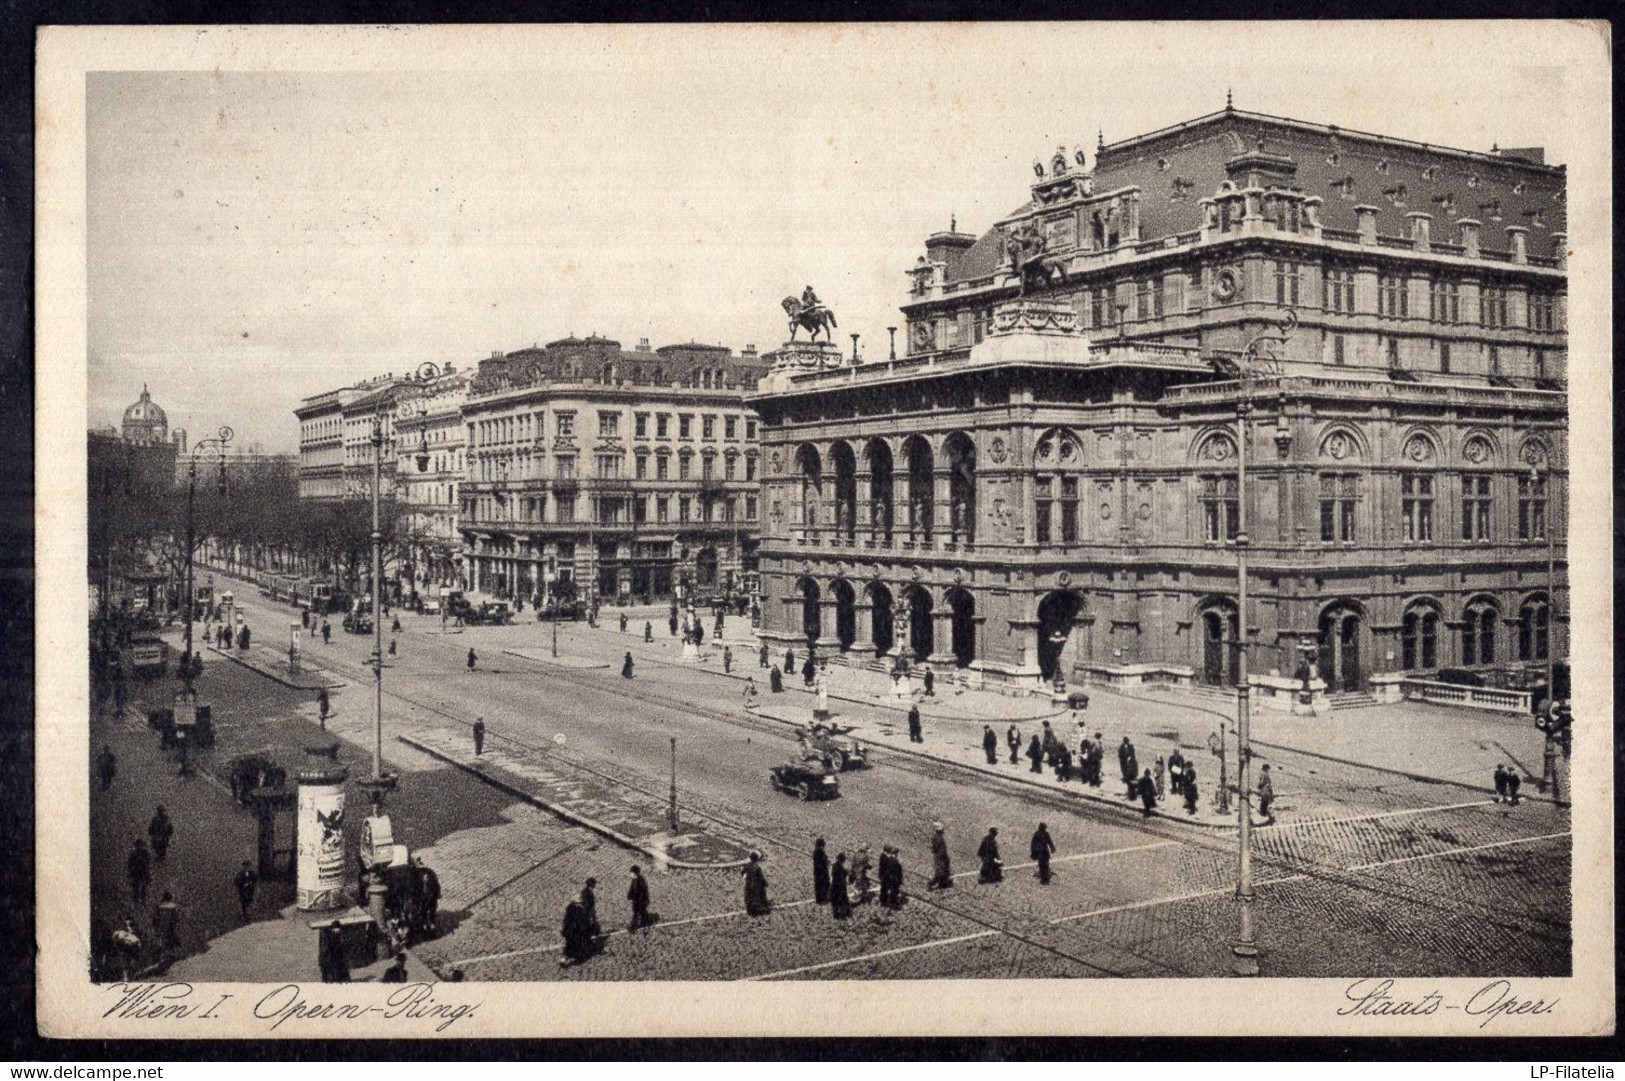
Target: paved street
column 1367, row 870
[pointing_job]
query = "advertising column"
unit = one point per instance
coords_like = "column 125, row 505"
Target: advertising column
column 320, row 825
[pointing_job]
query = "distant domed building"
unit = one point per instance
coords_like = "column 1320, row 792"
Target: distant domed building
column 145, row 422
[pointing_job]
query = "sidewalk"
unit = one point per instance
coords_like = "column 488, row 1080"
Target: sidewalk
column 627, row 816
column 282, row 949
column 273, row 665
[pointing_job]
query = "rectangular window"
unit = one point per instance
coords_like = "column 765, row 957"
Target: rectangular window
column 750, row 508
column 1542, row 311
column 1444, row 301
column 565, row 424
column 1221, row 512
column 1142, row 300
column 683, row 467
column 1393, row 353
column 1069, row 509
column 1158, row 298
column 1339, row 350
column 1338, row 290
column 641, row 425
column 1097, row 309
column 750, row 427
column 1531, row 508
column 609, row 466
column 564, row 468
column 1475, row 508
column 662, row 505
column 1337, row 500
column 642, row 467
column 1288, row 277
column 708, row 426
column 1391, row 298
column 1043, row 501
column 1492, row 306
column 685, row 426
column 728, row 467
column 662, row 467
column 1416, row 506
column 566, row 507
column 682, row 508
column 750, row 467
column 730, row 427
column 707, row 466
column 640, row 509
column 662, row 425
column 609, row 424
column 1444, row 357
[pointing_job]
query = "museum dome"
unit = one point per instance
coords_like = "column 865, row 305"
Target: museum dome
column 145, row 421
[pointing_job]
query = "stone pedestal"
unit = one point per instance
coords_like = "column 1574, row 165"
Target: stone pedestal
column 795, row 358
column 1031, row 329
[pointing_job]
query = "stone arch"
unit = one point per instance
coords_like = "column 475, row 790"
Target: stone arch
column 962, row 625
column 812, row 616
column 881, row 617
column 810, row 467
column 921, row 476
column 922, row 633
column 1419, row 630
column 1342, row 443
column 1218, row 663
column 1057, row 614
column 1213, row 447
column 1480, row 630
column 1343, row 633
column 1534, row 450
column 1419, row 446
column 882, row 497
column 1058, row 448
column 846, row 612
column 1535, row 626
column 1480, row 449
column 959, row 458
column 844, row 463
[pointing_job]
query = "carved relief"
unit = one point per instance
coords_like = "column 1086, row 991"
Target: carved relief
column 998, row 451
column 1418, row 448
column 1476, row 451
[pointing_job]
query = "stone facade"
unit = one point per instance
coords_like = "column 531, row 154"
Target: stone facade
column 1047, row 484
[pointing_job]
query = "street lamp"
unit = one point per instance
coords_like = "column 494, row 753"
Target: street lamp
column 211, row 447
column 1539, row 482
column 1258, row 354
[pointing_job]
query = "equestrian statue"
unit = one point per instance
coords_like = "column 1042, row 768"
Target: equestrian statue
column 811, row 313
column 1031, row 262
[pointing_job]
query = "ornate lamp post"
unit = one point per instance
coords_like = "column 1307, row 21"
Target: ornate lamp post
column 207, row 449
column 1259, row 354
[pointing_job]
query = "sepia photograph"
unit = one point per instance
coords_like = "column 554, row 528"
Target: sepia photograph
column 853, row 509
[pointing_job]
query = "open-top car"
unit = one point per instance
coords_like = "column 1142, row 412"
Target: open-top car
column 809, row 778
column 823, row 741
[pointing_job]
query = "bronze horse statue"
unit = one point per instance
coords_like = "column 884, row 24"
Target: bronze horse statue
column 814, row 318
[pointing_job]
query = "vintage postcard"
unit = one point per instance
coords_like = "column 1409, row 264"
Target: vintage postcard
column 975, row 529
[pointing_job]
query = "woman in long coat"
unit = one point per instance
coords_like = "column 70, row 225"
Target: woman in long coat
column 941, row 869
column 577, row 933
column 820, row 873
column 992, row 865
column 1035, row 755
column 756, row 902
column 626, row 666
column 840, row 905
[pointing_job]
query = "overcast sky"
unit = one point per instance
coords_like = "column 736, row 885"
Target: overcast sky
column 255, row 238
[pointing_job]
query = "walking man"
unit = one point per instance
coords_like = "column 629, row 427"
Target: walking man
column 930, row 680
column 756, row 902
column 327, row 632
column 941, row 870
column 392, row 647
column 891, row 878
column 988, row 852
column 1500, row 782
column 727, row 659
column 638, row 892
column 1130, row 766
column 472, row 658
column 809, row 670
column 1148, row 792
column 820, row 873
column 1176, row 774
column 159, row 831
column 1035, row 755
column 1012, row 738
column 1190, row 788
column 139, row 869
column 1043, row 847
column 106, row 767
column 247, row 883
column 990, row 744
column 428, row 900
column 1514, row 782
column 648, row 631
column 789, row 660
column 1266, row 792
column 623, row 622
column 1160, row 774
column 626, row 666
column 840, row 905
column 761, row 656
column 395, row 625
column 479, row 736
column 775, row 680
column 914, row 734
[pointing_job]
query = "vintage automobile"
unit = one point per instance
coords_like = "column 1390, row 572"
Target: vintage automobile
column 823, row 741
column 473, row 610
column 148, row 654
column 809, row 778
column 253, row 770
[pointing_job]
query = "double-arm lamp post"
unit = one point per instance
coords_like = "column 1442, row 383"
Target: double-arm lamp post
column 1257, row 359
column 211, row 448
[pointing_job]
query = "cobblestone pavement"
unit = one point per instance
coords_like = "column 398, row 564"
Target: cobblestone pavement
column 1467, row 885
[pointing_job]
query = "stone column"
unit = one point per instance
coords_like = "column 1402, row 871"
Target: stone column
column 942, row 639
column 1518, row 235
column 1470, row 231
column 1421, row 230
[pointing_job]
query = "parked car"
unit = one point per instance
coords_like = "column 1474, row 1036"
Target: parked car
column 148, row 654
column 809, row 779
column 822, row 742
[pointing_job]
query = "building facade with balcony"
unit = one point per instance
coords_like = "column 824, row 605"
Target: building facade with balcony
column 429, row 468
column 1046, row 484
column 321, row 444
column 629, row 473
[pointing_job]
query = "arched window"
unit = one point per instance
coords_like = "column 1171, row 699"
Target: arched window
column 1057, row 457
column 1534, row 630
column 1419, row 638
column 1478, row 634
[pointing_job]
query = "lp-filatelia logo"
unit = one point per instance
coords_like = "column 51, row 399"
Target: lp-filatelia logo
column 1571, row 1073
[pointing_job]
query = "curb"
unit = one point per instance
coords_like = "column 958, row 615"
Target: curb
column 1424, row 778
column 573, row 817
column 272, row 676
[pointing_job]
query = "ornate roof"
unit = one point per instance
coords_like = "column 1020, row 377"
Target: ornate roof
column 146, row 412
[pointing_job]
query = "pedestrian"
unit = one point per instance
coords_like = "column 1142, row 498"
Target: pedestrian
column 1043, row 847
column 860, row 874
column 323, row 706
column 809, row 671
column 395, row 625
column 472, row 658
column 1129, row 765
column 1148, row 793
column 428, row 897
column 1500, row 782
column 623, row 622
column 638, row 891
column 761, row 656
column 1159, row 775
column 1514, row 782
column 1176, row 774
column 671, row 624
column 166, row 925
column 247, row 883
column 128, row 944
column 990, row 744
column 727, row 659
column 914, row 733
column 243, row 637
column 775, row 680
column 1099, row 756
column 789, row 660
column 840, row 905
column 941, row 870
column 304, row 619
column 396, row 972
column 750, row 695
column 756, row 902
column 106, row 767
column 1035, row 754
column 1012, row 739
column 589, row 905
column 327, row 632
column 988, row 852
column 891, row 878
column 479, row 736
column 1063, row 763
column 1049, row 743
column 159, row 831
column 330, row 954
column 626, row 666
column 930, row 681
column 577, row 935
column 139, row 869
column 648, row 631
column 820, row 873
column 1190, row 788
column 392, row 647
